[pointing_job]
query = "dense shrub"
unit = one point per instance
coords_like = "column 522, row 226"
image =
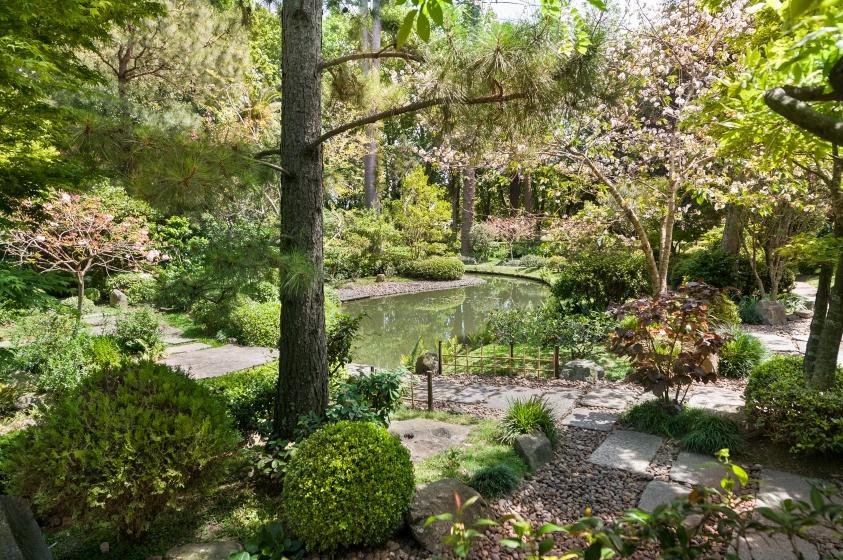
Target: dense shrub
column 748, row 311
column 212, row 316
column 782, row 406
column 138, row 287
column 721, row 269
column 8, row 442
column 495, row 481
column 369, row 396
column 348, row 484
column 9, row 394
column 248, row 395
column 93, row 294
column 434, row 268
column 697, row 429
column 263, row 292
column 526, row 416
column 106, row 352
column 72, row 302
column 533, row 261
column 741, row 353
column 577, row 334
column 256, row 324
column 593, row 281
column 125, row 447
column 724, row 312
column 482, row 237
column 138, row 333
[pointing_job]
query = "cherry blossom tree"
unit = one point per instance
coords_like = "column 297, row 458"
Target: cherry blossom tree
column 512, row 229
column 76, row 234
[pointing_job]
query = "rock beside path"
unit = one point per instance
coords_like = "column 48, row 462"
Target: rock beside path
column 535, row 449
column 772, row 312
column 219, row 550
column 582, row 370
column 439, row 497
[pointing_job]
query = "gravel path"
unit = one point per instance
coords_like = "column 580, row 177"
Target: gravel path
column 353, row 291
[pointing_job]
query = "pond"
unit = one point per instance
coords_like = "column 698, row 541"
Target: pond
column 393, row 324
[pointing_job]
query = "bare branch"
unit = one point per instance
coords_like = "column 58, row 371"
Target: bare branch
column 370, row 55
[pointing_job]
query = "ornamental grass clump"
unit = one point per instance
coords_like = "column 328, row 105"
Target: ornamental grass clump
column 527, row 416
column 349, row 484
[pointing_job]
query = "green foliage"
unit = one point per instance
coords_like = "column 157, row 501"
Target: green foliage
column 495, row 481
column 721, row 269
column 434, row 268
column 48, row 352
column 8, row 443
column 422, row 214
column 533, row 261
column 72, row 302
column 482, row 238
column 349, row 484
column 248, row 395
column 593, row 281
column 125, row 447
column 724, row 311
column 138, row 333
column 93, row 294
column 340, row 338
column 370, row 397
column 782, row 406
column 579, row 334
column 508, row 326
column 273, row 542
column 697, row 429
column 24, row 288
column 9, row 394
column 139, row 287
column 528, row 415
column 256, row 324
column 741, row 353
column 748, row 311
column 106, row 352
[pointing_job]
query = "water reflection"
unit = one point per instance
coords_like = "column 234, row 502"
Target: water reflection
column 393, row 324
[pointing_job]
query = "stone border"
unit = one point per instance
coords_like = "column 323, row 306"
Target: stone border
column 353, row 292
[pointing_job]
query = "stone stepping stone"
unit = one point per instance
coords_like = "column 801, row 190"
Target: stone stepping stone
column 425, row 437
column 776, row 343
column 774, row 547
column 618, row 398
column 717, row 399
column 776, row 486
column 627, row 450
column 591, row 419
column 175, row 339
column 562, row 401
column 693, row 468
column 213, row 362
column 189, row 347
column 658, row 492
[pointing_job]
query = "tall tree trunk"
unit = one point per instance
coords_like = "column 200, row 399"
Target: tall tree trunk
column 515, row 194
column 825, row 363
column 732, row 231
column 666, row 235
column 454, row 195
column 80, row 298
column 468, row 187
column 371, row 41
column 303, row 371
column 528, row 192
column 817, row 321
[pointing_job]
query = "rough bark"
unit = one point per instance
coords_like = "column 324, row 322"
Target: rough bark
column 468, row 188
column 804, row 116
column 825, row 363
column 80, row 296
column 454, row 195
column 817, row 322
column 514, row 194
column 527, row 186
column 303, row 371
column 733, row 230
column 371, row 41
column 666, row 235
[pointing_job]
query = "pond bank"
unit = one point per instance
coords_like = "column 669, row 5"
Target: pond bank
column 355, row 291
column 511, row 272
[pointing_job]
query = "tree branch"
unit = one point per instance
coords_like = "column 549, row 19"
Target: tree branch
column 412, row 107
column 370, row 55
column 815, row 93
column 804, row 116
column 265, row 153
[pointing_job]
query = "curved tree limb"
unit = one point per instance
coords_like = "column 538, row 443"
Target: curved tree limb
column 370, row 55
column 804, row 116
column 417, row 106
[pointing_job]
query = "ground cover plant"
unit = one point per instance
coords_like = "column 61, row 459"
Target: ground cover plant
column 525, row 416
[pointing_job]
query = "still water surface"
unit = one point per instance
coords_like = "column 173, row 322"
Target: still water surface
column 393, row 324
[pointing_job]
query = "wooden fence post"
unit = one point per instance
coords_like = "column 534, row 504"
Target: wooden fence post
column 430, row 375
column 556, row 362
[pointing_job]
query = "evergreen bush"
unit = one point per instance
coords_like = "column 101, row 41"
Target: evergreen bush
column 248, row 395
column 138, row 287
column 495, row 481
column 434, row 268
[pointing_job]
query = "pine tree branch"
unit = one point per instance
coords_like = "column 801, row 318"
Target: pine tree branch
column 413, row 107
column 370, row 55
column 804, row 116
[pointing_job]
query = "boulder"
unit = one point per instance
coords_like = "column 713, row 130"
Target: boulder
column 118, row 299
column 380, row 278
column 440, row 497
column 582, row 370
column 804, row 313
column 427, row 362
column 535, row 449
column 711, row 363
column 20, row 536
column 772, row 312
column 217, row 550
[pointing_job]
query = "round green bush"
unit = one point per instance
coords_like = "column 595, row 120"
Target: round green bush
column 595, row 280
column 740, row 355
column 248, row 395
column 256, row 324
column 495, row 481
column 434, row 268
column 126, row 446
column 138, row 287
column 93, row 294
column 349, row 484
column 782, row 406
column 482, row 237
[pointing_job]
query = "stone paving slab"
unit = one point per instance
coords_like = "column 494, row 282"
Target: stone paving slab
column 213, row 362
column 693, row 468
column 175, row 339
column 425, row 437
column 499, row 397
column 776, row 343
column 658, row 492
column 618, row 398
column 774, row 547
column 189, row 347
column 717, row 399
column 591, row 419
column 627, row 450
column 562, row 401
column 776, row 486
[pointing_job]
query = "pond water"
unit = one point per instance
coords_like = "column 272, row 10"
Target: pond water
column 393, row 324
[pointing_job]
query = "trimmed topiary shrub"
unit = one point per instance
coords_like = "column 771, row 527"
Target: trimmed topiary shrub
column 256, row 324
column 348, row 484
column 248, row 395
column 533, row 261
column 138, row 287
column 740, row 355
column 780, row 405
column 125, row 447
column 434, row 268
column 495, row 481
column 593, row 281
column 526, row 416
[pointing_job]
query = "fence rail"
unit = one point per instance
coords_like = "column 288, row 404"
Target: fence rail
column 539, row 362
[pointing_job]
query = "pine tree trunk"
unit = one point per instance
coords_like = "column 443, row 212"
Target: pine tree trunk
column 817, row 321
column 371, row 41
column 468, row 187
column 303, row 371
column 825, row 363
column 454, row 195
